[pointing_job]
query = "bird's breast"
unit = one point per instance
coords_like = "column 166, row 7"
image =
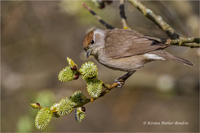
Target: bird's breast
column 123, row 64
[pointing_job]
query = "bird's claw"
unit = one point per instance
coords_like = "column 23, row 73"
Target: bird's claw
column 120, row 83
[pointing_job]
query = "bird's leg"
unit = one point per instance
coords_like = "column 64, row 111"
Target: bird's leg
column 123, row 78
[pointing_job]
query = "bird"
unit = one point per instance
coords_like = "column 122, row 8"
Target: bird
column 126, row 50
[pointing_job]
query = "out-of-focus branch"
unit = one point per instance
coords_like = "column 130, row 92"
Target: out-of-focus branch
column 155, row 18
column 175, row 38
column 108, row 26
column 122, row 15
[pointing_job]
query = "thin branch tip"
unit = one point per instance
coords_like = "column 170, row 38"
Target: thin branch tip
column 108, row 26
column 123, row 15
column 85, row 6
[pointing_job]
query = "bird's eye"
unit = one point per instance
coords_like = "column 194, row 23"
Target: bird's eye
column 92, row 42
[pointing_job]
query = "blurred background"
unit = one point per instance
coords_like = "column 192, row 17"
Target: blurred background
column 37, row 36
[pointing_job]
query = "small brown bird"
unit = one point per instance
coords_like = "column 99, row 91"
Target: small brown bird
column 126, row 50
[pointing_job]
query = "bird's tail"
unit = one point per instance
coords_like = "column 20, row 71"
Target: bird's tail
column 181, row 60
column 168, row 56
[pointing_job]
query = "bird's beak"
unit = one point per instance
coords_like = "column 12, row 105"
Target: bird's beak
column 89, row 51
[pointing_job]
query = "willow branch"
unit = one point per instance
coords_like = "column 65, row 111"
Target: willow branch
column 122, row 15
column 187, row 42
column 108, row 26
column 108, row 87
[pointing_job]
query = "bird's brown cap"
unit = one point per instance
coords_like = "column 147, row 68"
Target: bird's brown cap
column 87, row 40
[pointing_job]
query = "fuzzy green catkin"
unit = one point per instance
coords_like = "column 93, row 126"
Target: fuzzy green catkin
column 66, row 74
column 94, row 87
column 43, row 118
column 78, row 97
column 65, row 106
column 88, row 70
column 79, row 114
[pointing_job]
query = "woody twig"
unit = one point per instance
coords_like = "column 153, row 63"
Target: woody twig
column 122, row 15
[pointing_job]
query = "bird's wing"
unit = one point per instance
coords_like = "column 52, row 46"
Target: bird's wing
column 124, row 43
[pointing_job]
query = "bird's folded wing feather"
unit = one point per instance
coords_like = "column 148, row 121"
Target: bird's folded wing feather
column 124, row 43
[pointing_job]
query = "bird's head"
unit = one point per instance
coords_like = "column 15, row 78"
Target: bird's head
column 93, row 40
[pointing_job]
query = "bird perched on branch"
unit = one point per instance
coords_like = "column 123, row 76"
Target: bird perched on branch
column 126, row 50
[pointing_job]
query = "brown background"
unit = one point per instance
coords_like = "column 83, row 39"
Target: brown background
column 38, row 36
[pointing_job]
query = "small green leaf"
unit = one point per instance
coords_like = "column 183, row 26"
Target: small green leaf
column 66, row 106
column 88, row 70
column 54, row 106
column 43, row 118
column 54, row 110
column 71, row 63
column 94, row 87
column 36, row 105
column 78, row 97
column 66, row 74
column 80, row 114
